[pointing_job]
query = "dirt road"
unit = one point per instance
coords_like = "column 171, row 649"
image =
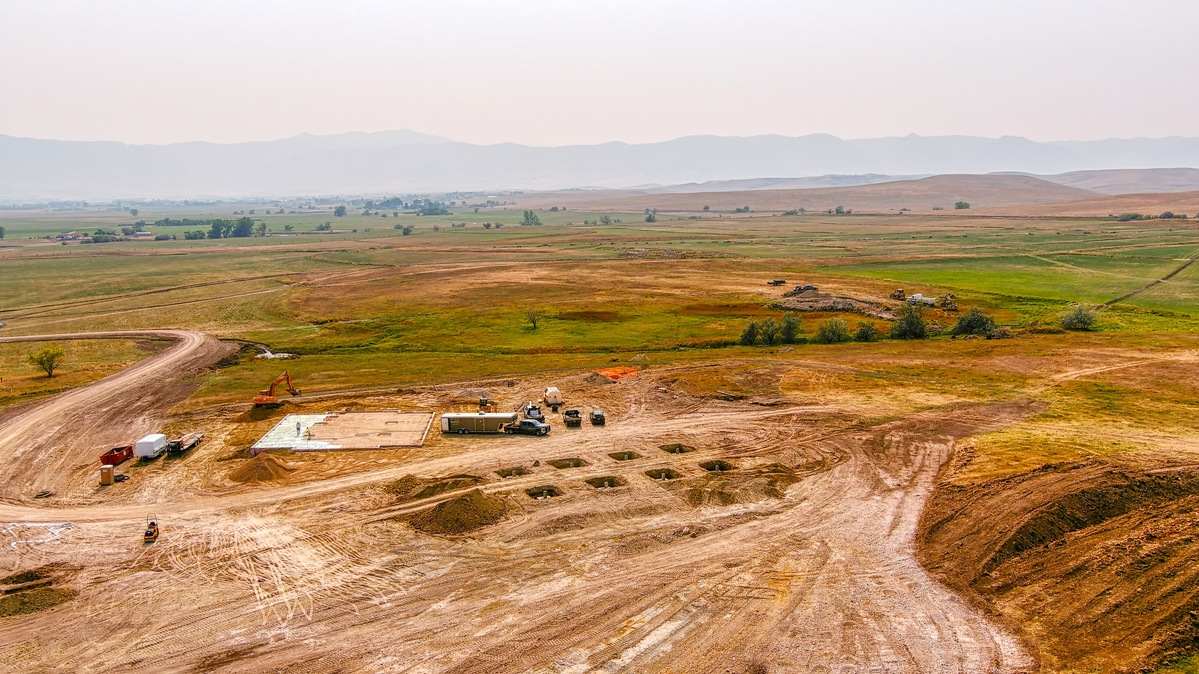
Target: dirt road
column 797, row 557
column 45, row 447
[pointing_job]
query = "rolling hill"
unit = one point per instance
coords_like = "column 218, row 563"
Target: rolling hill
column 924, row 194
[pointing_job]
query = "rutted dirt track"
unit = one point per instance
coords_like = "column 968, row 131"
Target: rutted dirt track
column 705, row 573
column 36, row 446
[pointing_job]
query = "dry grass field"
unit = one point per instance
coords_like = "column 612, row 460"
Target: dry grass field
column 956, row 504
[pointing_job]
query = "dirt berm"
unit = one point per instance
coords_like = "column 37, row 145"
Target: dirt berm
column 461, row 514
column 1094, row 563
column 814, row 300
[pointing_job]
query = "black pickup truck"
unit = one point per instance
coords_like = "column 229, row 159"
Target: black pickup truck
column 528, row 427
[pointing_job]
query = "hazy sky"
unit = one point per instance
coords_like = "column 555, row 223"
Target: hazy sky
column 591, row 71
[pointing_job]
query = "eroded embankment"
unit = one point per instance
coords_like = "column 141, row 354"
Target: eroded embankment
column 1093, row 563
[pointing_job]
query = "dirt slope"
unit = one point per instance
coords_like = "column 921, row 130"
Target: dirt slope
column 919, row 195
column 1092, row 560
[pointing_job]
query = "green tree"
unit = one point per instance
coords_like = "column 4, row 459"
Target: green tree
column 48, row 359
column 288, row 228
column 769, row 332
column 866, row 332
column 911, row 323
column 260, row 229
column 324, row 227
column 789, row 332
column 833, row 331
column 749, row 336
column 1079, row 318
column 1, row 233
column 533, row 316
column 241, row 228
column 529, row 219
column 974, row 322
column 651, row 215
column 340, row 211
column 961, row 205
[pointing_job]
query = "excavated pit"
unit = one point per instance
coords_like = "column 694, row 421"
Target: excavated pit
column 606, row 482
column 543, row 492
column 676, row 448
column 569, row 462
column 513, row 471
column 716, row 466
column 625, row 456
column 662, row 474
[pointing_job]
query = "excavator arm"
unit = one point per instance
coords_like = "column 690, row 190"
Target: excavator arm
column 267, row 398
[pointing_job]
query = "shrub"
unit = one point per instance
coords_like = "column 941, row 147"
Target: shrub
column 866, row 332
column 769, row 332
column 974, row 322
column 789, row 332
column 833, row 331
column 749, row 336
column 961, row 205
column 1079, row 318
column 911, row 323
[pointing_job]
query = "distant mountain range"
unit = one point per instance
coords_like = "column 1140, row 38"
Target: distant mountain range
column 407, row 161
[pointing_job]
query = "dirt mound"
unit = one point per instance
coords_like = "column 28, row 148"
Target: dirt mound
column 740, row 486
column 413, row 488
column 1095, row 561
column 262, row 468
column 814, row 300
column 470, row 511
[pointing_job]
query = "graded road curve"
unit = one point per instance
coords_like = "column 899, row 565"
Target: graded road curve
column 42, row 446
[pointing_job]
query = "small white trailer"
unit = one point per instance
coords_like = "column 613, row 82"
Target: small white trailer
column 150, row 447
column 553, row 397
column 476, row 422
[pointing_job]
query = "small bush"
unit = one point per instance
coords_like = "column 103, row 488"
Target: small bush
column 910, row 324
column 749, row 336
column 769, row 333
column 974, row 322
column 789, row 332
column 832, row 331
column 866, row 332
column 1079, row 318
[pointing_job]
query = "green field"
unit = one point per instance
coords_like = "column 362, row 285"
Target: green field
column 449, row 303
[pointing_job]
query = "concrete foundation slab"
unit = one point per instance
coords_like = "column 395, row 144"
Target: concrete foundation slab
column 347, row 430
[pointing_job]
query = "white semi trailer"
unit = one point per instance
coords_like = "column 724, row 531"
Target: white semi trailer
column 476, row 422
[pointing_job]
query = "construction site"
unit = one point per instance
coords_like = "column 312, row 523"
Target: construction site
column 627, row 485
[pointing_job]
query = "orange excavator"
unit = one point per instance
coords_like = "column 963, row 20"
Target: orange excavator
column 267, row 398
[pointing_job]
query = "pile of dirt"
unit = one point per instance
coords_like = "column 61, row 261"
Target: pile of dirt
column 1096, row 561
column 461, row 514
column 262, row 468
column 814, row 300
column 769, row 481
column 413, row 488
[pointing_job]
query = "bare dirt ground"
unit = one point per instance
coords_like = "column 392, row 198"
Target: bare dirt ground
column 798, row 555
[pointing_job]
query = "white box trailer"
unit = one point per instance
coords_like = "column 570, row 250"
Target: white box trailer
column 476, row 422
column 150, row 447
